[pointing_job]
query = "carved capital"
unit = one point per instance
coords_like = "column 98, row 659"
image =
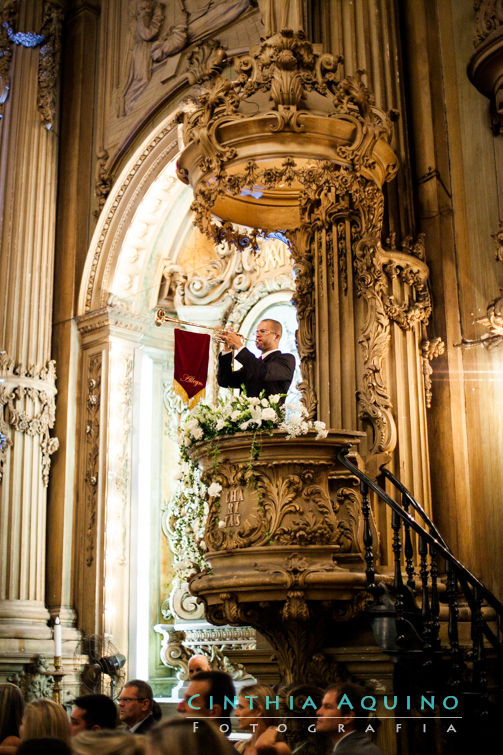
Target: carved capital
column 28, row 405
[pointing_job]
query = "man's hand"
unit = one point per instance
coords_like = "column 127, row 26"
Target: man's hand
column 230, row 339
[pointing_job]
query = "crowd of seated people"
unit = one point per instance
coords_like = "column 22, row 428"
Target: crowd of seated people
column 202, row 726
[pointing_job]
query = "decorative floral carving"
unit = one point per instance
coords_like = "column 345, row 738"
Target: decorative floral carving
column 430, row 350
column 91, row 453
column 35, row 681
column 489, row 17
column 49, row 62
column 375, row 403
column 205, row 61
column 348, row 508
column 104, row 179
column 409, row 268
column 27, row 405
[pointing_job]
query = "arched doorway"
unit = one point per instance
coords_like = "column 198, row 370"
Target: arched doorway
column 144, row 252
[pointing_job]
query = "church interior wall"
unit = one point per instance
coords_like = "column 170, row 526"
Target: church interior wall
column 449, row 188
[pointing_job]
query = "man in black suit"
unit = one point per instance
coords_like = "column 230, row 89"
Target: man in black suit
column 137, row 709
column 344, row 720
column 272, row 372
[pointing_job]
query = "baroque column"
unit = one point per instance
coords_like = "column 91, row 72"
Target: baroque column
column 28, row 145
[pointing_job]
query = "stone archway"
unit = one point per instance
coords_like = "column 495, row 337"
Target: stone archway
column 145, row 251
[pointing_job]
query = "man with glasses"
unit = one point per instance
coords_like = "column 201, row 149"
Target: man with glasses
column 137, row 709
column 272, row 372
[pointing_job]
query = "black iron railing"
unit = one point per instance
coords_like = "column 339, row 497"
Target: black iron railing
column 417, row 590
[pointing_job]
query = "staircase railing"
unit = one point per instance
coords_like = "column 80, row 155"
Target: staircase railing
column 424, row 619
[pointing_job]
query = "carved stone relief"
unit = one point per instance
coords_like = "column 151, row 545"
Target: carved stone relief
column 49, row 62
column 27, row 405
column 91, row 453
column 430, row 350
column 161, row 31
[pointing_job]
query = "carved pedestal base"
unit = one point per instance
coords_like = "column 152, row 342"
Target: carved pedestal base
column 285, row 541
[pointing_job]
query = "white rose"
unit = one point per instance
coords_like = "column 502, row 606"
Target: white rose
column 214, row 489
column 197, row 433
column 221, row 524
column 220, row 424
column 235, row 415
column 254, row 401
column 265, row 402
column 268, row 413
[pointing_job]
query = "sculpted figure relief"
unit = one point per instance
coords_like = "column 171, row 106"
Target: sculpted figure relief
column 160, row 30
column 146, row 18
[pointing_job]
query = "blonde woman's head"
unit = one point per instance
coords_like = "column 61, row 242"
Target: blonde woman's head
column 45, row 718
column 255, row 702
column 108, row 742
column 181, row 735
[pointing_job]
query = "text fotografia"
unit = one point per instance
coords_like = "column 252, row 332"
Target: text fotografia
column 311, row 728
column 368, row 703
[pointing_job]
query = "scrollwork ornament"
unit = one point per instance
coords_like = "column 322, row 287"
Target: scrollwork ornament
column 430, row 350
column 374, row 401
column 205, row 61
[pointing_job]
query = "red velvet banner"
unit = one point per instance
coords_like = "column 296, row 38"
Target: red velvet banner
column 191, row 365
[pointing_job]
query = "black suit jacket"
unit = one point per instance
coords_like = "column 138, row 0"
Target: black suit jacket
column 273, row 374
column 357, row 743
column 145, row 725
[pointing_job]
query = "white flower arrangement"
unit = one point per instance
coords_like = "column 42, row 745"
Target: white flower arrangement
column 189, row 506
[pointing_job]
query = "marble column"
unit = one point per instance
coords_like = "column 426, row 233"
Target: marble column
column 28, row 184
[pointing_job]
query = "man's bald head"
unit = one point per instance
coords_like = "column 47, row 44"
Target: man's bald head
column 198, row 663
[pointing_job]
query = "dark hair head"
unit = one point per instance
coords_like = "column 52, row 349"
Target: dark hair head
column 11, row 710
column 355, row 694
column 144, row 689
column 44, row 746
column 221, row 689
column 99, row 710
